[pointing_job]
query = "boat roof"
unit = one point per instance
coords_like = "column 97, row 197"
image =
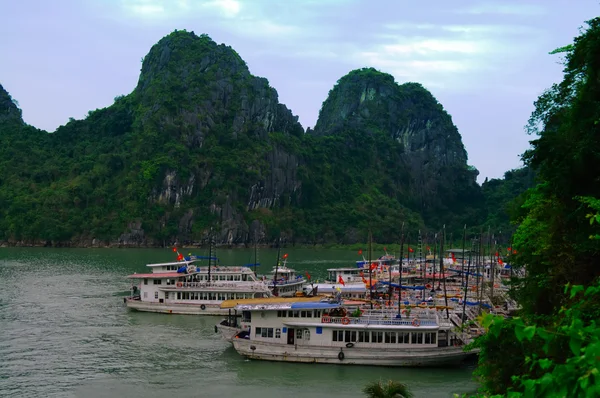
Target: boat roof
column 157, row 275
column 269, row 300
column 287, row 306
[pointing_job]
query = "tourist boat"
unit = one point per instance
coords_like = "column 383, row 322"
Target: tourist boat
column 183, row 287
column 231, row 325
column 284, row 282
column 327, row 332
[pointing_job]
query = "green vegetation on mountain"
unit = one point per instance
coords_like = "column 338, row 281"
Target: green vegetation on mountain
column 202, row 144
column 553, row 347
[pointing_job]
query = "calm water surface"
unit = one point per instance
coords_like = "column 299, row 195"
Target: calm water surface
column 64, row 332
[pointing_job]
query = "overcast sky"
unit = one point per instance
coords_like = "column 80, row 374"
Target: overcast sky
column 485, row 61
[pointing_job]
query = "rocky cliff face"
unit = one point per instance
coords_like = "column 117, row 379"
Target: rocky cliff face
column 201, row 95
column 9, row 112
column 432, row 150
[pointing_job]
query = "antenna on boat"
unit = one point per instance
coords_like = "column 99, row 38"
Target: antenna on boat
column 400, row 278
column 370, row 271
column 255, row 252
column 435, row 242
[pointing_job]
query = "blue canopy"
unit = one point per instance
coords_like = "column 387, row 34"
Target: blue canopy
column 194, row 257
column 252, row 265
column 310, row 306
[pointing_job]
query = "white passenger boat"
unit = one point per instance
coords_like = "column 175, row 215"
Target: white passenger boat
column 284, row 282
column 184, row 288
column 326, row 332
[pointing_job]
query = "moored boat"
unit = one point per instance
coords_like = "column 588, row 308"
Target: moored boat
column 184, row 288
column 327, row 332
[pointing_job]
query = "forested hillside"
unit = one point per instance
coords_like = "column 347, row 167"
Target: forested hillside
column 202, row 145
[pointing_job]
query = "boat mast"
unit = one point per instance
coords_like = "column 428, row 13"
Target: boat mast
column 466, row 284
column 370, row 271
column 462, row 260
column 209, row 253
column 435, row 241
column 443, row 271
column 400, row 279
column 276, row 268
column 255, row 253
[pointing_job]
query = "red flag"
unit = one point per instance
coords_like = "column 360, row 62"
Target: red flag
column 509, row 249
column 174, row 250
column 341, row 280
column 307, row 275
column 410, row 249
column 500, row 261
column 428, row 248
column 373, row 266
column 285, row 255
column 453, row 257
column 180, row 257
column 497, row 254
column 384, row 248
column 359, row 252
column 362, row 275
column 514, row 252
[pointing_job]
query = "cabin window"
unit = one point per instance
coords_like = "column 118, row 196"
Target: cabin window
column 317, row 313
column 157, row 281
column 145, row 281
column 166, row 295
column 390, row 337
column 277, row 333
column 178, row 295
column 244, row 277
column 296, row 314
column 155, row 295
column 264, row 332
column 281, row 314
column 298, row 333
column 376, row 337
column 363, row 337
column 430, row 338
column 309, row 314
column 290, row 314
column 338, row 335
column 416, row 338
column 350, row 336
column 302, row 314
column 403, row 338
column 306, row 334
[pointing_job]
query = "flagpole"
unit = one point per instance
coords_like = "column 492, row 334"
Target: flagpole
column 276, row 268
column 209, row 253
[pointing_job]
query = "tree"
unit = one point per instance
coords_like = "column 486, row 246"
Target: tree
column 390, row 389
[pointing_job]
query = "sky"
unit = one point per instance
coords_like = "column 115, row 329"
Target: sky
column 486, row 61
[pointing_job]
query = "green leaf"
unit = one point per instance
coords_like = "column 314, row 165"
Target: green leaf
column 545, row 363
column 529, row 332
column 576, row 289
column 519, row 333
column 575, row 345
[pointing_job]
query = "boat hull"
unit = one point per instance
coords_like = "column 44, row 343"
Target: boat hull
column 227, row 332
column 441, row 356
column 176, row 308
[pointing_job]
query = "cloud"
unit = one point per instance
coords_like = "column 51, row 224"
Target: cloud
column 522, row 9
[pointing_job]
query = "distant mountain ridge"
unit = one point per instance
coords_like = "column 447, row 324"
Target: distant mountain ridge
column 201, row 145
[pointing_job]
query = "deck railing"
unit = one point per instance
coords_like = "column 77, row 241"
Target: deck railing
column 217, row 284
column 371, row 320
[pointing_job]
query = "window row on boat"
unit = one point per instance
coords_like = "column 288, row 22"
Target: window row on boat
column 202, row 278
column 353, row 336
column 207, row 296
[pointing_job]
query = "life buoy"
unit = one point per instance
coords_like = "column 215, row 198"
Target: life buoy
column 179, row 284
column 349, row 345
column 326, row 318
column 341, row 355
column 345, row 320
column 202, row 307
column 416, row 323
